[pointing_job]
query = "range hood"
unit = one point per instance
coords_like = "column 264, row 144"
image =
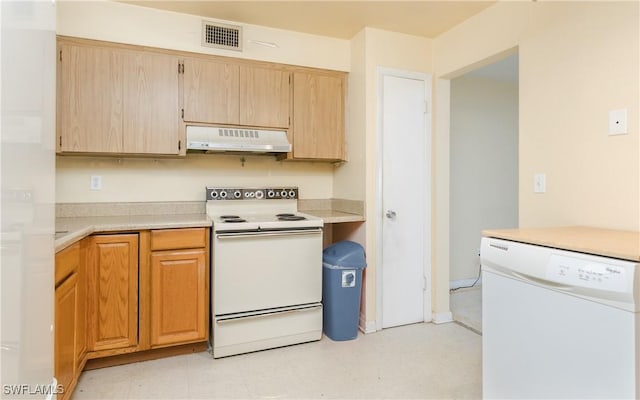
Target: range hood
column 210, row 139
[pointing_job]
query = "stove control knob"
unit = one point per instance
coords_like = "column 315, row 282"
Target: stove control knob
column 214, row 194
column 292, row 194
column 237, row 194
column 283, row 194
column 223, row 194
column 259, row 194
column 271, row 194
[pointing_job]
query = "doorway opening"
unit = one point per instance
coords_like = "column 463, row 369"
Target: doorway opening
column 483, row 175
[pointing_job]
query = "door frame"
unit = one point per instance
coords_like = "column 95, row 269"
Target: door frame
column 426, row 167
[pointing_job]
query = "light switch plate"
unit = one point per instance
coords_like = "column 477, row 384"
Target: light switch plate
column 539, row 183
column 618, row 122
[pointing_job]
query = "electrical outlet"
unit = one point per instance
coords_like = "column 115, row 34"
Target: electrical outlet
column 96, row 182
column 618, row 122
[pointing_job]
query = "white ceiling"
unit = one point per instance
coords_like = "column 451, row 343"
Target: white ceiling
column 339, row 19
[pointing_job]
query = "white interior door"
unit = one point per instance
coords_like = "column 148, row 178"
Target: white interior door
column 405, row 219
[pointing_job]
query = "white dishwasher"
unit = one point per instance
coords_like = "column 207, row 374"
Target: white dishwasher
column 558, row 324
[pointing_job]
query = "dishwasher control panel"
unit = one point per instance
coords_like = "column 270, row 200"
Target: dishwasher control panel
column 587, row 273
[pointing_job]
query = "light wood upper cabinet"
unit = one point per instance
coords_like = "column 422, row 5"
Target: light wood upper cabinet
column 117, row 101
column 151, row 112
column 318, row 116
column 90, row 85
column 112, row 291
column 265, row 97
column 229, row 93
column 211, row 91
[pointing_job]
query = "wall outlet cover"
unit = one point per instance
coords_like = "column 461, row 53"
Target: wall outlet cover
column 618, row 122
column 96, row 182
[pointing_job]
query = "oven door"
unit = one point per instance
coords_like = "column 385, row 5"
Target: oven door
column 268, row 269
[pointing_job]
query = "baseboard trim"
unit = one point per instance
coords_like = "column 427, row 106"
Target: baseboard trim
column 146, row 355
column 366, row 326
column 442, row 318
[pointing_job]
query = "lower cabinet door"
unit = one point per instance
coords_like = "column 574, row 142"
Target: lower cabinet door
column 178, row 297
column 112, row 289
column 66, row 305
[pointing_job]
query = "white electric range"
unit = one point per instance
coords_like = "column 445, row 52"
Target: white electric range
column 266, row 269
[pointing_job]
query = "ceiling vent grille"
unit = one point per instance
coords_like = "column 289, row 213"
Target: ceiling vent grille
column 221, row 36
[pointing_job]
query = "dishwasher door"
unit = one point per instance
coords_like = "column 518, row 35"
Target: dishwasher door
column 546, row 336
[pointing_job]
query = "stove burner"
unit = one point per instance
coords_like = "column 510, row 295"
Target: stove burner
column 291, row 218
column 285, row 215
column 234, row 220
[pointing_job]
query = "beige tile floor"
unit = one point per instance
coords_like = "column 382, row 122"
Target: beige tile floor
column 420, row 361
column 466, row 307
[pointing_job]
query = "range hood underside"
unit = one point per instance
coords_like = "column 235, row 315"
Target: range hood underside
column 208, row 139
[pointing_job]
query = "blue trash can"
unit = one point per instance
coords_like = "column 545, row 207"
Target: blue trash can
column 342, row 265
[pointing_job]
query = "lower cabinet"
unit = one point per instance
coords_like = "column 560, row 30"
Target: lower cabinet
column 112, row 274
column 125, row 293
column 66, row 305
column 179, row 290
column 178, row 300
column 69, row 318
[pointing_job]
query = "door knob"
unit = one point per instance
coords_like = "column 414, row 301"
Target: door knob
column 391, row 214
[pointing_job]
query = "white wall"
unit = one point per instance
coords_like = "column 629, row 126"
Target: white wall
column 484, row 166
column 126, row 23
column 578, row 60
column 137, row 180
column 373, row 48
column 133, row 180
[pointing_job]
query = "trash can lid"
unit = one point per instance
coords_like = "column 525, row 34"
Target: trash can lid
column 345, row 254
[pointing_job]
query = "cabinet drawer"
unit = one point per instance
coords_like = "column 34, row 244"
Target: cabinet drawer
column 170, row 239
column 67, row 262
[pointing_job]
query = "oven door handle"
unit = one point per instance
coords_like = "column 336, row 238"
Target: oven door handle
column 265, row 315
column 239, row 235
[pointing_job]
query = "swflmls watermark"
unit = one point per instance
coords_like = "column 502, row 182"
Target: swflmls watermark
column 31, row 390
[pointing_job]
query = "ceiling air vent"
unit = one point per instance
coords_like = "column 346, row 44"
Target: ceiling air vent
column 221, row 36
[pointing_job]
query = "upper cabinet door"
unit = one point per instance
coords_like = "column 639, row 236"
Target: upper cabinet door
column 117, row 101
column 211, row 91
column 265, row 97
column 318, row 116
column 151, row 113
column 90, row 99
